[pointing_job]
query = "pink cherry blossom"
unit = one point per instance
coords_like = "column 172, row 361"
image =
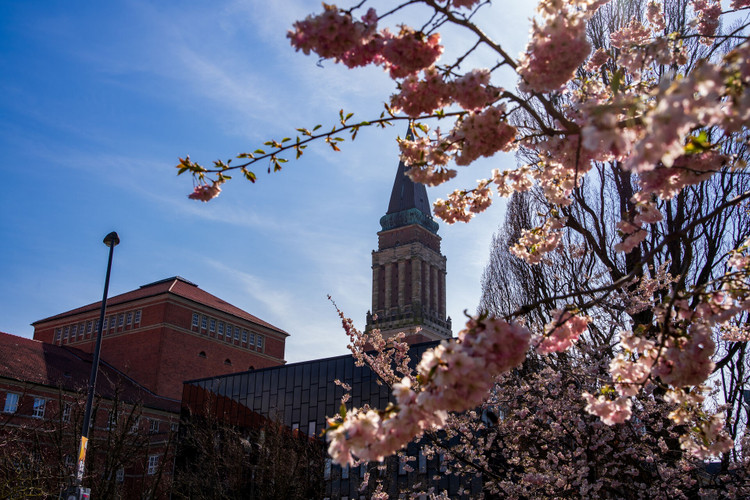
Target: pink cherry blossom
column 557, row 48
column 472, row 91
column 205, row 192
column 410, row 51
column 564, row 329
column 482, row 134
column 418, row 97
column 610, row 411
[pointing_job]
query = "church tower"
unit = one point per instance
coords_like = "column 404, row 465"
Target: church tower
column 408, row 270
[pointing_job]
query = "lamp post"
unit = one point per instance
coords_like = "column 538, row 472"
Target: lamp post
column 78, row 492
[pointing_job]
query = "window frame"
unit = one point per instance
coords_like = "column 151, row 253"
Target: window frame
column 152, row 466
column 39, row 407
column 17, row 400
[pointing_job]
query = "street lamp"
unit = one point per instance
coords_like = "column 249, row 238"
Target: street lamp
column 78, row 492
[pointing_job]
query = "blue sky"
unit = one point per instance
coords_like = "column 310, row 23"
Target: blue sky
column 99, row 99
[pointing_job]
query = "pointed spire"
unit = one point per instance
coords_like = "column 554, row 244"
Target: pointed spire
column 408, row 197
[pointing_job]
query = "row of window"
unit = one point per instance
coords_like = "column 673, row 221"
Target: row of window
column 403, row 467
column 40, row 405
column 227, row 331
column 152, row 467
column 85, row 329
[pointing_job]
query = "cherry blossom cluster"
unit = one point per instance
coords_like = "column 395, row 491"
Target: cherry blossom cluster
column 448, row 380
column 679, row 358
column 205, row 192
column 535, row 243
column 334, row 34
column 463, row 205
column 708, row 12
column 557, row 47
column 564, row 330
column 418, row 97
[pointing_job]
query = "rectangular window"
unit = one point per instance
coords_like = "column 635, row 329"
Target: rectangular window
column 311, row 428
column 120, row 319
column 96, row 325
column 89, row 327
column 251, row 341
column 65, row 333
column 112, row 322
column 244, row 336
column 39, row 405
column 153, row 464
column 212, row 325
column 135, row 425
column 229, row 332
column 73, row 333
column 195, row 320
column 345, row 472
column 221, row 328
column 137, row 319
column 129, row 318
column 422, row 462
column 401, row 466
column 259, row 342
column 81, row 330
column 204, row 322
column 67, row 409
column 153, row 426
column 174, row 426
column 111, row 421
column 106, row 324
column 120, row 475
column 11, row 402
column 236, row 333
column 327, row 470
column 58, row 334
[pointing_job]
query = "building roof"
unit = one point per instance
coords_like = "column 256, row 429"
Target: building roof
column 175, row 285
column 69, row 369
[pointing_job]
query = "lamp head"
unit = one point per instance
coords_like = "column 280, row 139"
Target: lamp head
column 112, row 240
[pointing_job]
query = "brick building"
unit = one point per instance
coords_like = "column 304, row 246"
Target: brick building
column 169, row 331
column 408, row 270
column 43, row 391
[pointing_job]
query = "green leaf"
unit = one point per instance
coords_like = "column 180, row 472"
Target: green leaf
column 616, row 83
column 342, row 410
column 316, row 127
column 259, row 152
column 698, row 143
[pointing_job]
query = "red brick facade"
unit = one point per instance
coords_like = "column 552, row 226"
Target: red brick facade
column 42, row 399
column 167, row 332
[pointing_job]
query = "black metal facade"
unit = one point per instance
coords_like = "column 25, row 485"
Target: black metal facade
column 302, row 396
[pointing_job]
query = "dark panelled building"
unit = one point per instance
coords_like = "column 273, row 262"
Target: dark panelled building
column 301, row 396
